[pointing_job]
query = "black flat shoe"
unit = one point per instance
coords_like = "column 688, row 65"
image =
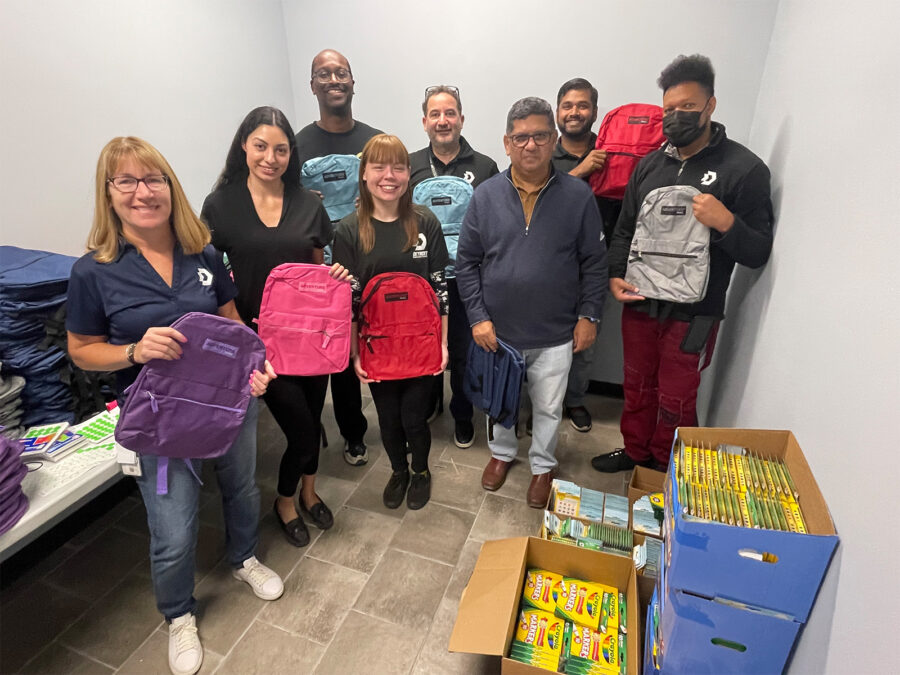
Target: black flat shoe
column 295, row 531
column 319, row 514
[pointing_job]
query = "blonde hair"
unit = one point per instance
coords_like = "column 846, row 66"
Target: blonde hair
column 106, row 232
column 384, row 149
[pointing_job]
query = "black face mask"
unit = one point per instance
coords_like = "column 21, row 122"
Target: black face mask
column 682, row 127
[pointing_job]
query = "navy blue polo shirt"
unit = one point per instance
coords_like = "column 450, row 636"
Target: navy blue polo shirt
column 123, row 298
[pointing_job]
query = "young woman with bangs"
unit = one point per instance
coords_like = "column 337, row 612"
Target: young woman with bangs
column 388, row 233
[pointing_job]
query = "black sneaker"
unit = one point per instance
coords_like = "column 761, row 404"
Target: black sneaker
column 395, row 490
column 464, row 434
column 419, row 490
column 355, row 453
column 616, row 460
column 580, row 418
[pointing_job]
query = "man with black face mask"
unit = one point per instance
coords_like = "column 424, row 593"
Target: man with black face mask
column 716, row 191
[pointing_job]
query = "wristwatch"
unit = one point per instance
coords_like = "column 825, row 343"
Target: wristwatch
column 129, row 353
column 590, row 318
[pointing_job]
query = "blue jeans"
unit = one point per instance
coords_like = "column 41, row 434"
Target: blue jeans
column 547, row 371
column 173, row 522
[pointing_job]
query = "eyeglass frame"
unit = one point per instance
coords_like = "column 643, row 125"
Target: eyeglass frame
column 433, row 89
column 138, row 181
column 333, row 75
column 530, row 137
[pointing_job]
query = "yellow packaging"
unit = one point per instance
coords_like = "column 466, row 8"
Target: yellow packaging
column 538, row 589
column 540, row 629
column 600, row 648
column 582, row 602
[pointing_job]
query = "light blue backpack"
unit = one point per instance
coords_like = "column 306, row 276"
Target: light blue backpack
column 448, row 198
column 337, row 178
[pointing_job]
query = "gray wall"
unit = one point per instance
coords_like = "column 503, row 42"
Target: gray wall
column 181, row 74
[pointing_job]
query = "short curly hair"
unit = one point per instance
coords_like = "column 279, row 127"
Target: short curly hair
column 694, row 68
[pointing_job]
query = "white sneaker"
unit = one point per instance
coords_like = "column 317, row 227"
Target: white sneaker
column 185, row 652
column 264, row 582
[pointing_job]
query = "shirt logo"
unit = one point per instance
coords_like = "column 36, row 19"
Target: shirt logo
column 423, row 242
column 708, row 178
column 469, row 177
column 205, row 276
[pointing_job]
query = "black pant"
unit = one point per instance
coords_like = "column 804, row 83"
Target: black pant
column 402, row 407
column 459, row 335
column 296, row 404
column 347, row 399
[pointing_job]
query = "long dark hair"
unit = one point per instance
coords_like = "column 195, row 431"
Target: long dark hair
column 236, row 162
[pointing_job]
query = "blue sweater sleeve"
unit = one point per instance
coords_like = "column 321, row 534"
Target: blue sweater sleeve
column 469, row 256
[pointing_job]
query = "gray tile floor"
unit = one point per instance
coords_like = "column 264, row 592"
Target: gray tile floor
column 376, row 594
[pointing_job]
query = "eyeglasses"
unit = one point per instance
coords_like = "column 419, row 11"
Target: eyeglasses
column 129, row 184
column 540, row 138
column 440, row 89
column 324, row 76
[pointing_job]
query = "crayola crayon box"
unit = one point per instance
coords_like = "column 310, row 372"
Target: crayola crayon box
column 491, row 607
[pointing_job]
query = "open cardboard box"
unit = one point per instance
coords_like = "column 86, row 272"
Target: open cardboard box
column 489, row 607
column 714, row 560
column 644, row 481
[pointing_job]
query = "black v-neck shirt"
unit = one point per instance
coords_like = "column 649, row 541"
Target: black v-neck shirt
column 253, row 249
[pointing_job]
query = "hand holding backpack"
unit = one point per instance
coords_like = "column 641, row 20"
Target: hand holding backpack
column 192, row 407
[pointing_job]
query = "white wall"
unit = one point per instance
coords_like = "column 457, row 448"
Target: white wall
column 179, row 73
column 498, row 51
column 814, row 345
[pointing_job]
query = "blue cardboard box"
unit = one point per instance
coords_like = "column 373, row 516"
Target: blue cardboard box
column 714, row 560
column 707, row 637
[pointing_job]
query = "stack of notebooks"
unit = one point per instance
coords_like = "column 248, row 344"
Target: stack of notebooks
column 55, row 441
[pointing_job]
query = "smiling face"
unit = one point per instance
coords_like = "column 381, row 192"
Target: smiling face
column 576, row 113
column 143, row 211
column 268, row 153
column 386, row 181
column 332, row 81
column 443, row 122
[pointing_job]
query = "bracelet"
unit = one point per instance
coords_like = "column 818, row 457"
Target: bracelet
column 129, row 353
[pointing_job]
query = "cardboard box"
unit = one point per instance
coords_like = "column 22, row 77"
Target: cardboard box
column 489, row 607
column 649, row 631
column 707, row 637
column 644, row 481
column 714, row 560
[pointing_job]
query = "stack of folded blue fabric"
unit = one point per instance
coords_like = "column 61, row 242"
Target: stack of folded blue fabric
column 33, row 288
column 13, row 502
column 11, row 411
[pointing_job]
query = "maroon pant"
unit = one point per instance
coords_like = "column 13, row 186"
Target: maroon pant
column 660, row 383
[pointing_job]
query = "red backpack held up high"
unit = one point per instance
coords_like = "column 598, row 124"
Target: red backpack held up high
column 627, row 133
column 399, row 327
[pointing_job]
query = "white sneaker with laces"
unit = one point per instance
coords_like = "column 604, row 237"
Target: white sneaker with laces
column 185, row 651
column 266, row 584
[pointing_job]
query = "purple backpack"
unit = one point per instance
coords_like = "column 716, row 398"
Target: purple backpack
column 192, row 408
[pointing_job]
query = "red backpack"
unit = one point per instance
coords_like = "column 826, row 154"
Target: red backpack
column 304, row 320
column 399, row 327
column 627, row 133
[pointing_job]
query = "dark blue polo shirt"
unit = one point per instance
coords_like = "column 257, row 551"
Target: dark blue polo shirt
column 123, row 298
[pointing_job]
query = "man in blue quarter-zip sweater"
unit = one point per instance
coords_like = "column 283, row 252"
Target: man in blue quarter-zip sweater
column 668, row 334
column 531, row 270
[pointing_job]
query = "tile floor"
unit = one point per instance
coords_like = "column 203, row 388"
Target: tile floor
column 376, row 594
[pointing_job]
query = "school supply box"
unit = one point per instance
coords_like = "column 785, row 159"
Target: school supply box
column 544, row 606
column 777, row 558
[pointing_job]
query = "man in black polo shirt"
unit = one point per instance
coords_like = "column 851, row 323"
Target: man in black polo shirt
column 337, row 133
column 449, row 154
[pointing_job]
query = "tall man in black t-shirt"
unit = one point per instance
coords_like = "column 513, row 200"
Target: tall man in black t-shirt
column 337, row 133
column 449, row 154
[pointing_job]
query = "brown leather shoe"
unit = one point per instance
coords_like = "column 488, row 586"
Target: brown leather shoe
column 539, row 489
column 494, row 474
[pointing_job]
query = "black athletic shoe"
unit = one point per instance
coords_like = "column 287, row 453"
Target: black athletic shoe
column 356, row 453
column 464, row 434
column 580, row 418
column 395, row 490
column 616, row 460
column 419, row 490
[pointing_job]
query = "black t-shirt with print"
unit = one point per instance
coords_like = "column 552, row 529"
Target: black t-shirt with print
column 427, row 259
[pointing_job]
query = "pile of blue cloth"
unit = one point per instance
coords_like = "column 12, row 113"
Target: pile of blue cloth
column 33, row 287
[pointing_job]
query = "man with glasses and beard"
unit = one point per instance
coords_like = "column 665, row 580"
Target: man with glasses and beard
column 531, row 270
column 449, row 154
column 337, row 133
column 667, row 343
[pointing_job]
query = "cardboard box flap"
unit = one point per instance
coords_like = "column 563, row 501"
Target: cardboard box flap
column 488, row 605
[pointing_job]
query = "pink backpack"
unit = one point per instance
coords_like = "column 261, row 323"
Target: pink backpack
column 304, row 320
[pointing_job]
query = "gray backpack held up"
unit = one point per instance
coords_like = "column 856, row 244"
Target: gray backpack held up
column 669, row 258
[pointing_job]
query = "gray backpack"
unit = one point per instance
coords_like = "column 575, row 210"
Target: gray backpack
column 669, row 258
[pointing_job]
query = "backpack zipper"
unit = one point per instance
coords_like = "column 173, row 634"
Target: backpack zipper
column 154, row 405
column 637, row 255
